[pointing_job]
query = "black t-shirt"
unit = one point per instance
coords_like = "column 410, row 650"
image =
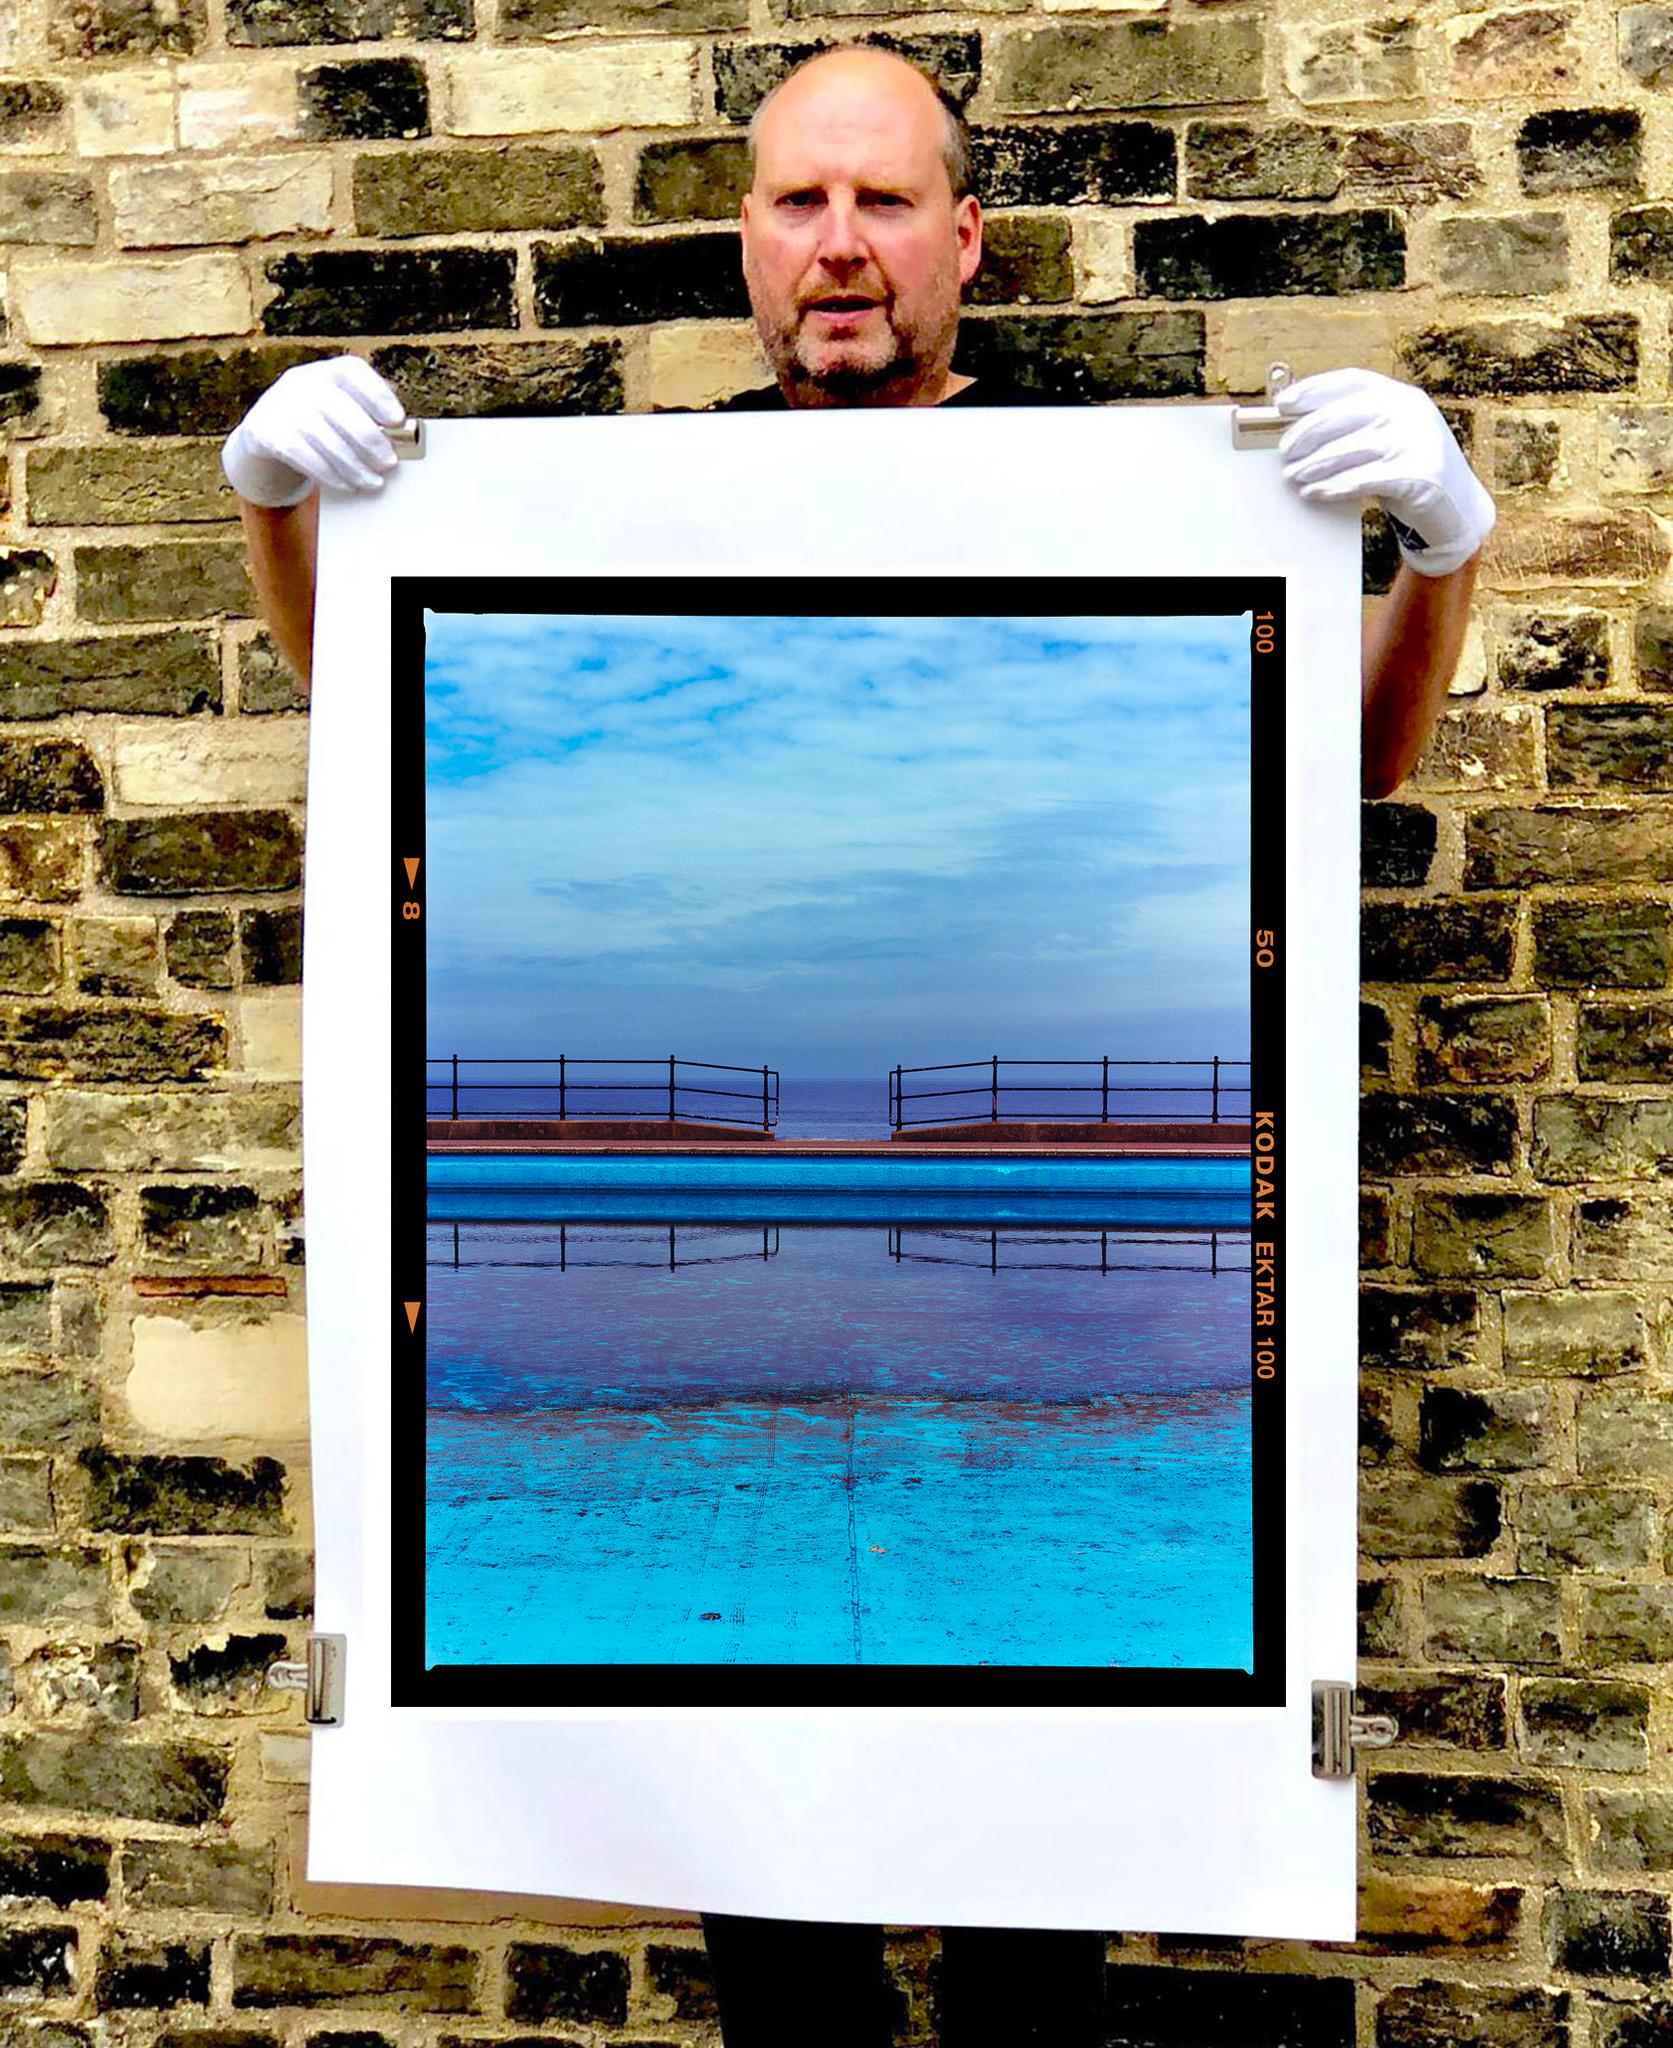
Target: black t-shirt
column 982, row 391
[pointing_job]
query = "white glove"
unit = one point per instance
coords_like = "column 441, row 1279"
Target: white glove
column 320, row 423
column 1361, row 435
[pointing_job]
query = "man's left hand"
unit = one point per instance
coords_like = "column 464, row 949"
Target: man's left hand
column 1361, row 435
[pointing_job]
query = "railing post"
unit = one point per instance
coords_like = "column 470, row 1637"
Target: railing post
column 995, row 1117
column 1105, row 1116
column 562, row 1078
column 766, row 1121
column 670, row 1087
column 894, row 1100
column 1215, row 1118
column 455, row 1087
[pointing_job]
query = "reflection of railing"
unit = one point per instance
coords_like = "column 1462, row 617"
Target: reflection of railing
column 1107, row 1245
column 979, row 1101
column 573, row 1246
column 664, row 1093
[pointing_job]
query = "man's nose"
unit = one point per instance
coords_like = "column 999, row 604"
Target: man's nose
column 841, row 240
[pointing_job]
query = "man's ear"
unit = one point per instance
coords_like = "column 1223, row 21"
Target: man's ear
column 967, row 220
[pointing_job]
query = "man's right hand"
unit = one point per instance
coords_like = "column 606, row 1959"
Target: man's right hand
column 321, row 423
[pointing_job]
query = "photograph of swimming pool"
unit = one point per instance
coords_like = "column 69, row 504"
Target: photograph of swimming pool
column 771, row 1338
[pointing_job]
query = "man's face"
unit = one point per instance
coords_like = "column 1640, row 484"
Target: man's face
column 855, row 251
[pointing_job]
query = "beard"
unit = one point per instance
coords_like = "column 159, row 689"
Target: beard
column 849, row 374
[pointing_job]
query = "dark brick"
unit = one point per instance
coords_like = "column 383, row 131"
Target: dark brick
column 1579, row 150
column 1436, row 1133
column 199, row 949
column 272, row 943
column 1375, row 1040
column 1625, row 1042
column 1378, row 1437
column 1652, row 648
column 189, row 853
column 1469, row 1236
column 1591, row 1724
column 20, row 383
column 264, row 23
column 287, row 1585
column 42, row 1410
column 326, row 1969
column 198, row 391
column 1415, row 1814
column 1376, row 1227
column 1601, row 945
column 171, row 1784
column 192, row 579
column 391, row 291
column 1525, row 453
column 1087, row 163
column 131, row 1977
column 49, row 776
column 1641, row 244
column 1240, row 160
column 1396, row 845
column 1427, row 1329
column 1485, row 1620
column 375, row 99
column 61, row 1585
column 1508, row 849
column 1457, row 1708
column 522, row 20
column 204, row 1221
column 1488, row 358
column 125, row 28
column 206, row 1876
column 28, row 955
column 1468, row 1429
column 1567, row 651
column 266, row 681
column 746, row 72
column 1380, row 1609
column 183, row 1496
column 1160, row 2006
column 1472, row 2016
column 464, row 191
column 1482, row 1039
column 62, row 1870
column 1633, row 1831
column 678, row 181
column 620, row 280
column 481, row 380
column 1083, row 359
column 1269, row 255
column 234, row 1669
column 50, row 1223
column 1580, row 1137
column 31, row 111
column 1436, row 941
column 1065, row 68
column 544, row 1982
column 37, row 1962
column 1603, row 746
column 14, row 1125
column 1515, row 255
column 1025, row 260
column 166, row 673
column 1411, row 163
column 51, row 208
column 1607, row 1934
column 1413, row 1516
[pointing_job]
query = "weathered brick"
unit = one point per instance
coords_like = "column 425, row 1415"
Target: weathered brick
column 1630, row 1624
column 1602, row 945
column 127, row 486
column 205, row 1876
column 198, row 945
column 26, row 1496
column 28, row 955
column 79, row 1682
column 46, row 1041
column 1624, row 1237
column 133, row 1975
column 324, row 1969
column 202, row 1221
column 1581, row 1529
column 14, row 1129
column 1486, row 358
column 1511, row 256
column 1592, row 1724
column 167, row 673
column 47, row 1410
column 1381, row 1606
column 1607, row 1934
column 229, row 1673
column 31, row 113
column 1641, row 244
column 456, row 191
column 1582, row 1333
column 183, row 1496
column 1624, row 1433
column 390, row 291
column 1525, row 453
column 746, row 72
column 1625, row 1041
column 1126, row 64
column 266, row 681
column 59, row 1870
column 1073, row 359
column 20, row 388
column 1581, row 149
column 1376, row 1041
column 1514, row 1621
column 50, row 1223
column 237, row 199
column 37, row 1962
column 546, row 1982
column 1464, row 1039
column 41, row 860
column 1604, row 746
column 1409, row 1813
column 28, row 577
column 1565, row 651
column 624, row 280
column 1396, row 845
column 1516, row 50
column 62, row 1585
column 1345, row 61
column 1456, row 1708
column 163, row 580
column 49, row 207
column 1376, row 1228
column 173, row 298
column 1240, row 160
column 1580, row 1138
column 1436, row 941
column 171, row 1784
column 271, row 942
column 1412, row 1516
column 1436, row 1133
column 373, row 99
column 287, row 1585
column 1025, row 261
column 1269, row 255
column 681, row 181
column 525, row 20
column 469, row 380
column 115, row 956
column 173, row 1582
column 1631, row 1831
column 1411, row 163
column 1094, row 163
column 1645, row 43
column 1627, row 546
column 197, row 391
column 1510, row 848
column 191, row 852
column 1472, row 2016
column 1489, row 1429
column 1462, row 1236
column 1635, row 447
column 1424, row 1329
column 178, row 1131
column 265, row 23
column 1407, row 1915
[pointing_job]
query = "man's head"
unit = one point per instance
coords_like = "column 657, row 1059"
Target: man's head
column 859, row 232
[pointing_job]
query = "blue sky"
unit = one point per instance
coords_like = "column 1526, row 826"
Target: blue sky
column 835, row 844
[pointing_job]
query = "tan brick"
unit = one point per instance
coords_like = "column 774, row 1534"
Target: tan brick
column 159, row 206
column 124, row 114
column 271, row 1027
column 1345, row 61
column 529, row 92
column 195, row 765
column 156, row 301
column 693, row 365
column 197, row 1131
column 228, row 106
column 1528, row 549
column 1515, row 51
column 244, row 1382
column 1103, row 260
column 1309, row 338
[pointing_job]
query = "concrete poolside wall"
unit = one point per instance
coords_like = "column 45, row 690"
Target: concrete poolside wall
column 523, row 208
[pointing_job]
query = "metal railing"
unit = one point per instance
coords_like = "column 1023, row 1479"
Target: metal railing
column 568, row 1094
column 1104, row 1250
column 980, row 1101
column 567, row 1246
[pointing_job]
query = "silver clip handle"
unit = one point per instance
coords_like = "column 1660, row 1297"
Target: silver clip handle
column 1259, row 426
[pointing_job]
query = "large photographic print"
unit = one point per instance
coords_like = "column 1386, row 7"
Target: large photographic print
column 832, row 1247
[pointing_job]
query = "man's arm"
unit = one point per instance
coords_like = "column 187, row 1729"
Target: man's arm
column 1409, row 651
column 283, row 545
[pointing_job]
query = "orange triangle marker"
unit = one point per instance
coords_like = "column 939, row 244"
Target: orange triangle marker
column 411, row 867
column 412, row 1308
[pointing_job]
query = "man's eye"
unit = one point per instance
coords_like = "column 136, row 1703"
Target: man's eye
column 886, row 199
column 798, row 199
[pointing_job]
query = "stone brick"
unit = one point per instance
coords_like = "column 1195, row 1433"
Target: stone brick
column 1641, row 244
column 1607, row 1934
column 1411, row 1516
column 459, row 191
column 50, row 775
column 205, row 1876
column 54, row 208
column 79, row 29
column 1583, row 149
column 52, row 1223
column 1624, row 1238
column 271, row 941
column 199, row 949
column 1527, row 355
column 525, row 20
column 287, row 1585
column 28, row 578
column 374, row 99
column 1409, row 1813
column 391, row 291
column 210, row 763
column 130, row 301
column 1436, row 941
column 1465, row 1236
column 1514, row 1621
column 1562, row 651
column 174, row 1582
column 1380, row 1610
column 545, row 1982
column 1472, row 2016
column 229, row 1673
column 195, row 391
column 241, row 199
column 1334, row 62
column 1411, row 163
column 1436, row 1133
column 1625, row 1041
column 131, row 1975
column 682, row 181
column 1512, row 256
column 1579, row 1333
column 472, row 380
column 1626, row 1624
column 1635, row 447
column 1525, row 453
column 1376, row 1037
column 1396, row 845
column 1269, row 255
column 37, row 1962
column 28, row 955
column 26, row 1496
column 623, row 280
column 1090, row 163
column 1025, row 261
column 1494, row 748
column 46, row 1041
column 196, row 851
column 1597, row 1725
column 1582, row 1529
column 745, row 73
column 266, row 23
column 41, row 861
column 1627, row 546
column 1240, row 160
column 31, row 114
column 1076, row 360
column 20, row 391
column 1515, row 51
column 1631, row 1831
column 14, row 1124
column 324, row 1969
column 80, row 1682
column 163, row 580
column 1600, row 746
column 1455, row 1708
column 1508, row 849
column 57, row 1585
column 206, row 1222
column 169, row 1784
column 1423, row 1329
column 1465, row 1039
column 1580, row 1138
column 595, row 90
column 1405, row 1915
column 1601, row 945
column 1376, row 1228
column 115, row 956
column 46, row 1410
column 183, row 1496
column 1126, row 64
column 1624, row 1433
column 266, row 681
column 1491, row 1429
column 170, row 673
column 117, row 486
column 1645, row 43
column 57, row 1870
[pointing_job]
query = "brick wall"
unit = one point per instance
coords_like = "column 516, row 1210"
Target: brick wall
column 524, row 211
